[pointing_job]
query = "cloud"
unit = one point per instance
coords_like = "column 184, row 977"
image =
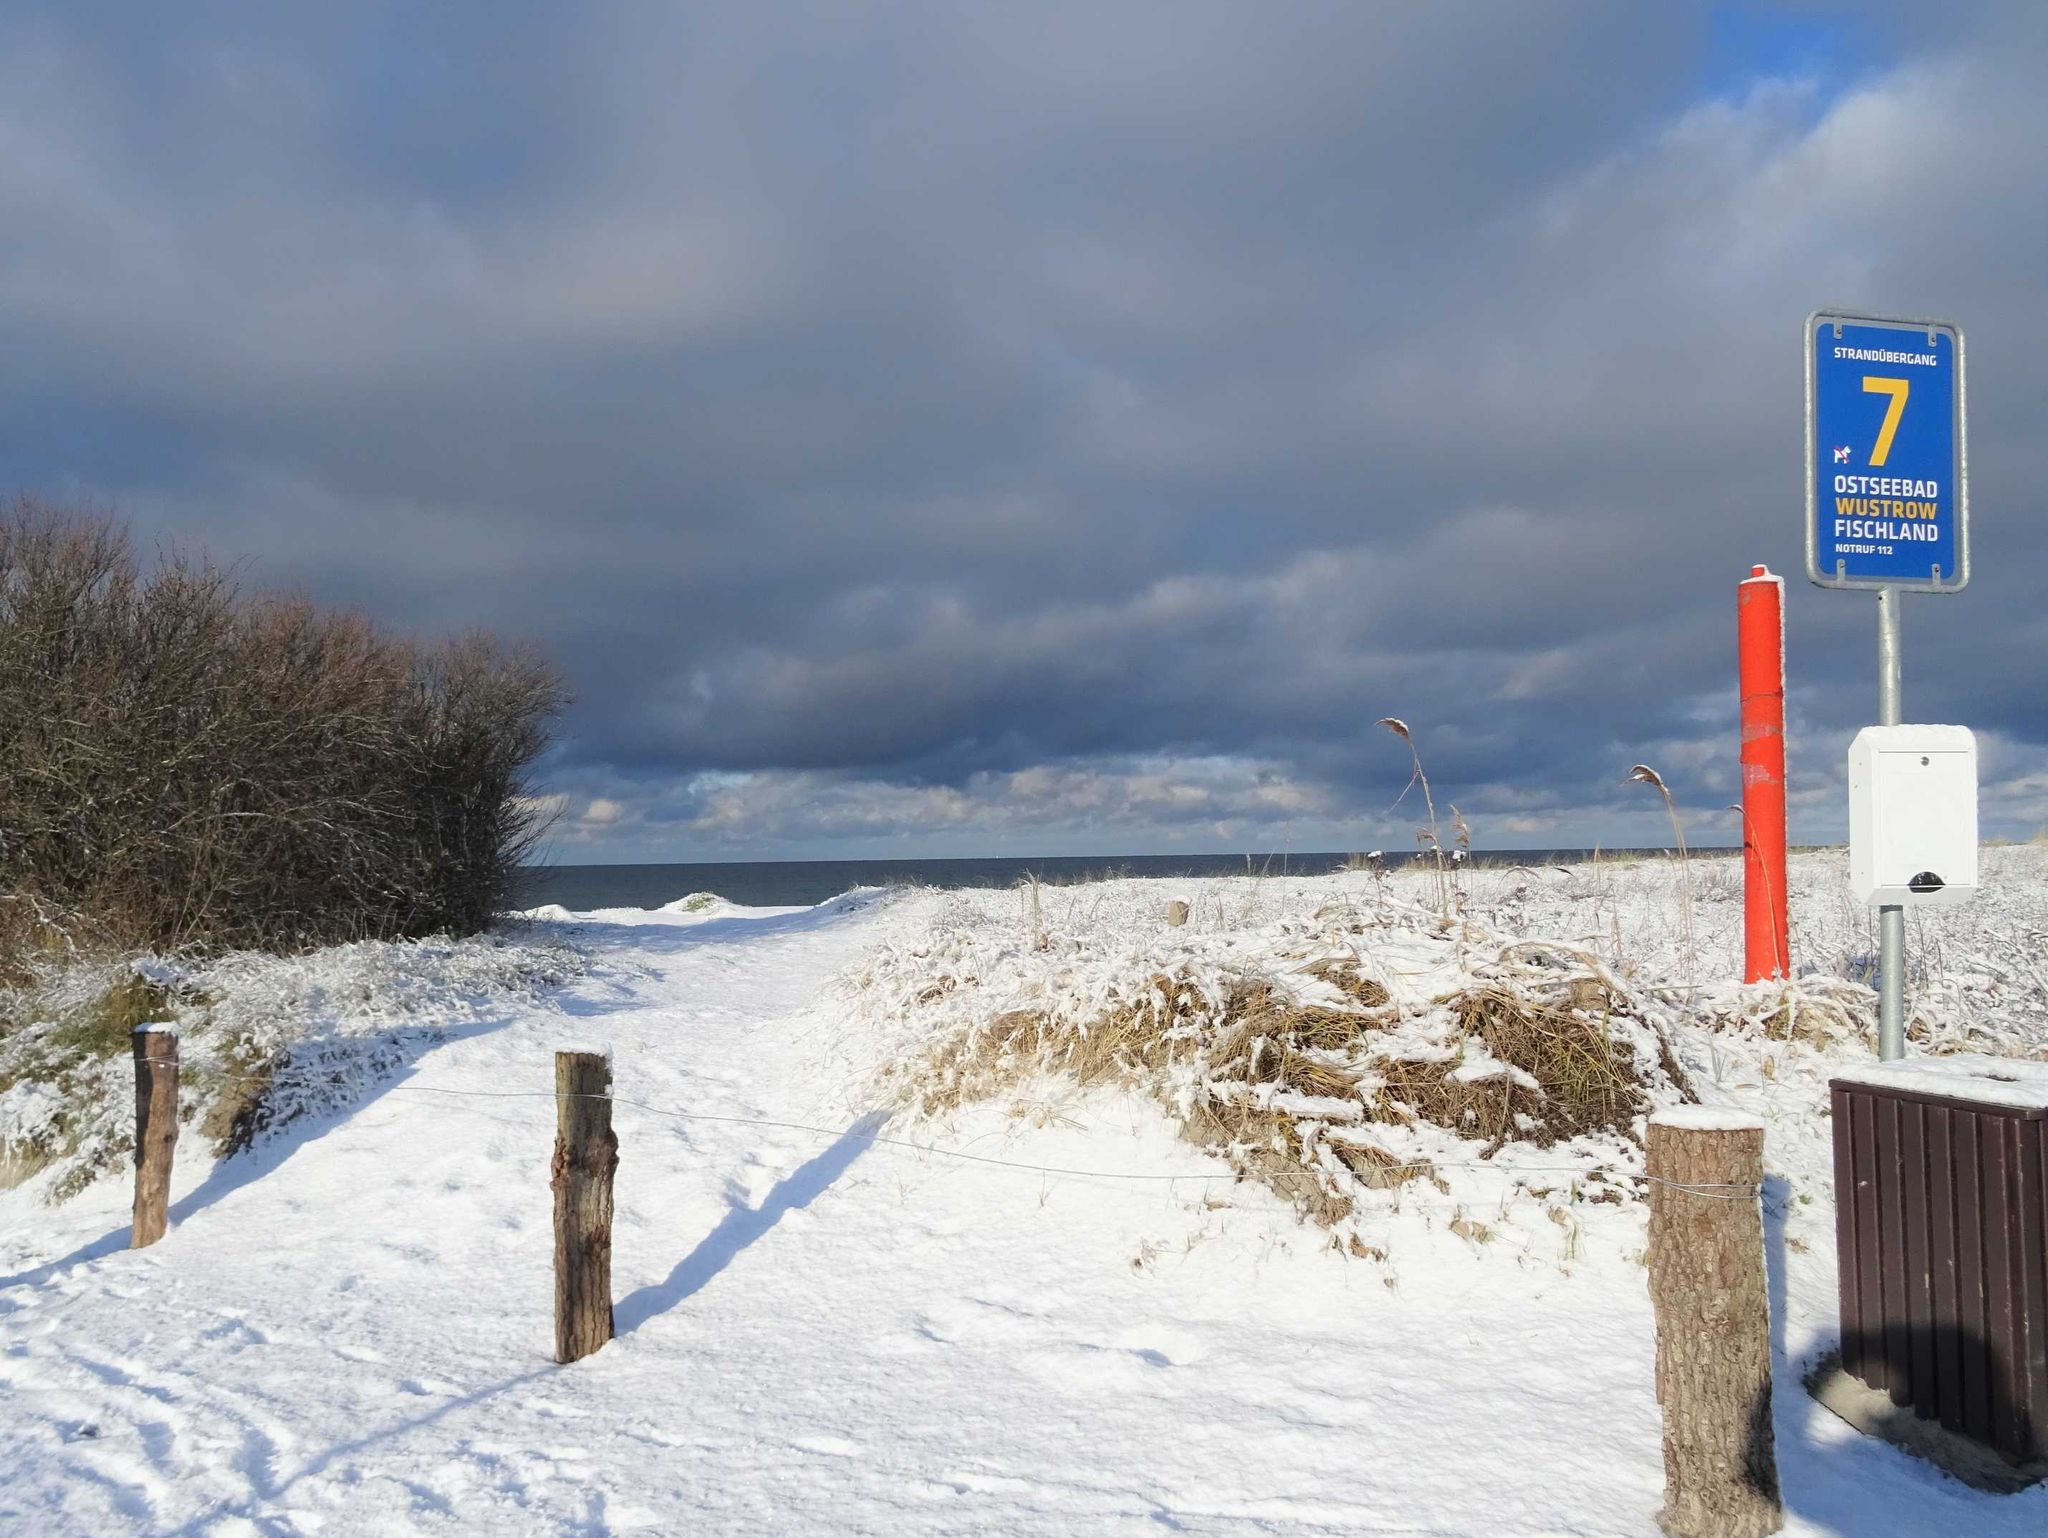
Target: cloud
column 1099, row 806
column 602, row 812
column 944, row 427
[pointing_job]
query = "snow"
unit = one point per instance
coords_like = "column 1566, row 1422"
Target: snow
column 346, row 1331
column 325, row 1024
column 1994, row 1081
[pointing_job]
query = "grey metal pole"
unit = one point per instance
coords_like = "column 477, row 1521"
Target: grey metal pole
column 1891, row 919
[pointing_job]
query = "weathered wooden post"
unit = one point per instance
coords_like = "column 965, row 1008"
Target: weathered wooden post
column 586, row 1157
column 156, row 1129
column 1176, row 913
column 1713, row 1325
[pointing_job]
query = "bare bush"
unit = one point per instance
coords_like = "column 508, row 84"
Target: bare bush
column 185, row 764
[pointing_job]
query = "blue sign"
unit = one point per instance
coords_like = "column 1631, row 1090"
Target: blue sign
column 1887, row 504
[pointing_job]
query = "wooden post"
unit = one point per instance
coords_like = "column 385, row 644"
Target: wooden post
column 586, row 1157
column 1176, row 913
column 156, row 1129
column 1713, row 1325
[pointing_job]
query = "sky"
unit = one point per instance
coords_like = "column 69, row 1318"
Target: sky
column 927, row 429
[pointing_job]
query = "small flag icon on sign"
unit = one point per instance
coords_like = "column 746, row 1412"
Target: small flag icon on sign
column 1842, row 454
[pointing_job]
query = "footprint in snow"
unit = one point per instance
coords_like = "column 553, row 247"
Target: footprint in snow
column 234, row 1326
column 830, row 1447
column 1160, row 1348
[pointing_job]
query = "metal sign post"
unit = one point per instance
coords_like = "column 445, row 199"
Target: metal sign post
column 1891, row 917
column 1887, row 509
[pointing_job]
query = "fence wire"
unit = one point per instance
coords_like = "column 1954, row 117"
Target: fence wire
column 1713, row 1191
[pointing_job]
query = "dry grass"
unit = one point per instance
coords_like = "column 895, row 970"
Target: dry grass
column 1430, row 835
column 1342, row 974
column 1559, row 1075
column 1820, row 1012
column 64, row 1040
column 241, row 1107
column 1310, row 1097
column 1643, row 774
column 1586, row 1081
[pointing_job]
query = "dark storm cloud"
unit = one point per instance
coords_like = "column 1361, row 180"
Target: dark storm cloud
column 1043, row 424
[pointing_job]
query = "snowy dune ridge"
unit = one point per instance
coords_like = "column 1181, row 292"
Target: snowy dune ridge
column 1341, row 1037
column 1333, row 1036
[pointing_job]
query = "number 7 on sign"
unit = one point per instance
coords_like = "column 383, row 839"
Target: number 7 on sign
column 1896, row 408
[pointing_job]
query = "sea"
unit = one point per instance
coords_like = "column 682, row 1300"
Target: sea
column 790, row 883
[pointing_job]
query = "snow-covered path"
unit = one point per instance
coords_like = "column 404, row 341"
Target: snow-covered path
column 348, row 1333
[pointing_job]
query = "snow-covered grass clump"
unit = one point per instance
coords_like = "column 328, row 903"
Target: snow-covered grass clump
column 1332, row 1051
column 264, row 1039
column 1342, row 1037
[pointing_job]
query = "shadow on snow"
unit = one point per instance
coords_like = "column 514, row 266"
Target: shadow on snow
column 742, row 1225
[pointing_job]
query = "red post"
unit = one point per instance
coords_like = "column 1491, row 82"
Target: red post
column 1760, row 638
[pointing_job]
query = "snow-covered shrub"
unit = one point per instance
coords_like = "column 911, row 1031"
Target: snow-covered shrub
column 264, row 1039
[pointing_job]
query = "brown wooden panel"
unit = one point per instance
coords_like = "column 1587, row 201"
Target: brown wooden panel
column 2001, row 1316
column 1972, row 1331
column 1949, row 1346
column 1848, row 1193
column 2031, row 1256
column 1916, row 1265
column 1869, row 1242
column 1891, row 1241
column 1942, row 1236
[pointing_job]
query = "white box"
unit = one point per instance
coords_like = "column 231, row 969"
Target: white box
column 1913, row 815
